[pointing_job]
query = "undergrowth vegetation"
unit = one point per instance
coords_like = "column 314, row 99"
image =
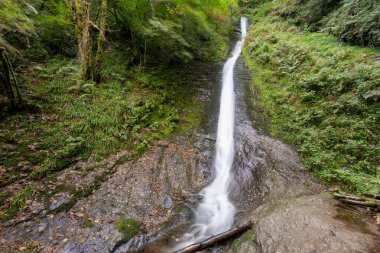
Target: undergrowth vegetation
column 321, row 95
column 129, row 110
column 352, row 21
column 72, row 119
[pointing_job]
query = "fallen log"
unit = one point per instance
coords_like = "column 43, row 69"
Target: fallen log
column 213, row 240
column 373, row 204
column 369, row 204
column 351, row 197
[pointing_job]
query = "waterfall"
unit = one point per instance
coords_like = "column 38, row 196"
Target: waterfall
column 215, row 214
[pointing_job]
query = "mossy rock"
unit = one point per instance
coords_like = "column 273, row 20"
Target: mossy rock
column 88, row 224
column 128, row 227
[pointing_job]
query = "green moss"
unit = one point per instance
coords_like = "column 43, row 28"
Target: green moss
column 371, row 203
column 3, row 197
column 34, row 246
column 61, row 159
column 128, row 227
column 88, row 224
column 248, row 236
column 235, row 246
column 18, row 201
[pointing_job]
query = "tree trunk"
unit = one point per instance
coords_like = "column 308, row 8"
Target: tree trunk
column 101, row 41
column 6, row 76
column 370, row 203
column 81, row 13
column 216, row 239
column 90, row 51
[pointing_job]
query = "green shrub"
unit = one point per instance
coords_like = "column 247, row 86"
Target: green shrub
column 352, row 21
column 54, row 27
column 357, row 21
column 313, row 11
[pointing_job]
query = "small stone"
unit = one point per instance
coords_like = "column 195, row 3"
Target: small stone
column 29, row 202
column 22, row 248
column 40, row 229
column 65, row 240
column 97, row 221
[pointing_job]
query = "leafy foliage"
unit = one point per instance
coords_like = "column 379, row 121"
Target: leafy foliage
column 60, row 160
column 353, row 21
column 357, row 21
column 42, row 27
column 313, row 11
column 55, row 29
column 175, row 30
column 15, row 16
column 15, row 25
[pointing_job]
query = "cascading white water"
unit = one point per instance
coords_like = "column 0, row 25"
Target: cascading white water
column 215, row 214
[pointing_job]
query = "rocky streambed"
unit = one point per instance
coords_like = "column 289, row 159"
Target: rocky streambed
column 146, row 205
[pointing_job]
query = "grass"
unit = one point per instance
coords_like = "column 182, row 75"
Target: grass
column 315, row 90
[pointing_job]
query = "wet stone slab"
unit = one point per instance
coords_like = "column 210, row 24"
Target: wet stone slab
column 151, row 191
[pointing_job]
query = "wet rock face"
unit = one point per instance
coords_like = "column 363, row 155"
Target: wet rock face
column 264, row 169
column 150, row 191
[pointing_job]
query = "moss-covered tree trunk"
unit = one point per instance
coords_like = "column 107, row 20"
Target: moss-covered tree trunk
column 90, row 51
column 6, row 76
column 81, row 13
column 98, row 65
